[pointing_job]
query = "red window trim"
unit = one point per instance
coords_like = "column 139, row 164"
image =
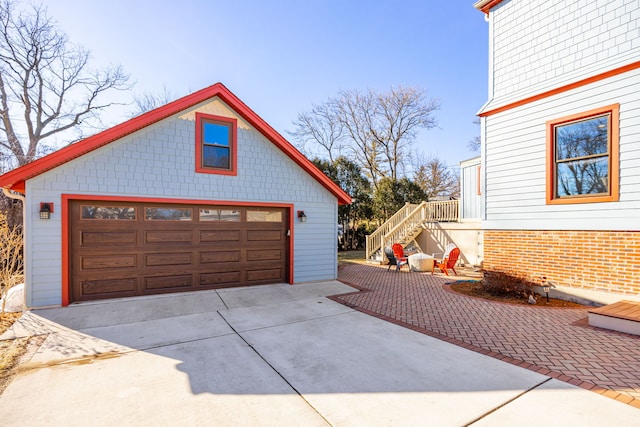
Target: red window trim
column 614, row 163
column 233, row 149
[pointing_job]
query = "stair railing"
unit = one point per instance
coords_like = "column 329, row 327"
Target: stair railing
column 374, row 240
column 396, row 228
column 400, row 231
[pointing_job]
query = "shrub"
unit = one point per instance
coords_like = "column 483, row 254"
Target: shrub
column 503, row 284
column 11, row 258
column 12, row 208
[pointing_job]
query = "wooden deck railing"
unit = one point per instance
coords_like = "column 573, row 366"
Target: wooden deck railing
column 407, row 218
column 443, row 211
column 374, row 240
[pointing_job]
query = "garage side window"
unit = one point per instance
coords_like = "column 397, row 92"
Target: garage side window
column 219, row 215
column 216, row 140
column 264, row 216
column 583, row 157
column 108, row 212
column 167, row 214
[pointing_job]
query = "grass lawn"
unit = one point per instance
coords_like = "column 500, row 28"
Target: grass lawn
column 351, row 257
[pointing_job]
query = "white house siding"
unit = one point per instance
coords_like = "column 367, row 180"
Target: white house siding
column 542, row 44
column 159, row 162
column 515, row 162
column 470, row 200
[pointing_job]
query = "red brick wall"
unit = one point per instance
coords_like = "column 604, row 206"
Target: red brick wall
column 599, row 260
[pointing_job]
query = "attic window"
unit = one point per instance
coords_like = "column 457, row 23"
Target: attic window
column 216, row 139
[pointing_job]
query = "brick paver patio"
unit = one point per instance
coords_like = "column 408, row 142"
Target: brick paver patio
column 557, row 342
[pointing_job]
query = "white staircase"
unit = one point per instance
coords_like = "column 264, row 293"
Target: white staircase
column 407, row 224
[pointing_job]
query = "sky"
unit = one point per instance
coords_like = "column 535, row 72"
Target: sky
column 280, row 57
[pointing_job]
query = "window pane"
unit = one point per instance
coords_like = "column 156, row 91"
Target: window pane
column 582, row 139
column 214, row 133
column 219, row 215
column 264, row 216
column 168, row 214
column 589, row 176
column 215, row 157
column 108, row 212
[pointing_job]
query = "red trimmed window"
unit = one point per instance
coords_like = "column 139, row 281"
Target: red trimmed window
column 216, row 144
column 583, row 157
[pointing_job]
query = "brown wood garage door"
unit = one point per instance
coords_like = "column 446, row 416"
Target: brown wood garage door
column 121, row 249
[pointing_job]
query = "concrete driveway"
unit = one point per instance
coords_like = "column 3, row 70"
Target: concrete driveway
column 275, row 355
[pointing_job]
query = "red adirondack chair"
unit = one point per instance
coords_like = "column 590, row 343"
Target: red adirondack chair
column 448, row 263
column 398, row 251
column 393, row 260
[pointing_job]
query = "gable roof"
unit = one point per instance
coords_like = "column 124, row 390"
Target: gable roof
column 15, row 179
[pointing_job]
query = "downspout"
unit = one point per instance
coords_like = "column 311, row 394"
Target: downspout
column 17, row 196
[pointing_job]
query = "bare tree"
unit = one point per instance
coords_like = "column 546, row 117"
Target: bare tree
column 322, row 126
column 45, row 85
column 355, row 112
column 149, row 101
column 435, row 179
column 376, row 128
column 382, row 126
column 475, row 143
column 401, row 112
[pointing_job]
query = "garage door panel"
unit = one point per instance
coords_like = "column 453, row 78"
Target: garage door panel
column 168, row 237
column 264, row 275
column 168, row 282
column 148, row 254
column 108, row 262
column 176, row 258
column 212, row 257
column 226, row 277
column 109, row 286
column 101, row 238
column 215, row 236
column 264, row 235
column 271, row 254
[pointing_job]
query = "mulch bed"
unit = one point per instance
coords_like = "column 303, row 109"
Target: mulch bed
column 475, row 288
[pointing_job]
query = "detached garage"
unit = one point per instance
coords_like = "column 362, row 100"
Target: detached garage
column 198, row 194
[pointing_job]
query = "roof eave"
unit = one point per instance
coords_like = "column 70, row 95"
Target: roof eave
column 16, row 179
column 486, row 5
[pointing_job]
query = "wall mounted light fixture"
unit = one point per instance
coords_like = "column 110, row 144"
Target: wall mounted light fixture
column 301, row 216
column 46, row 209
